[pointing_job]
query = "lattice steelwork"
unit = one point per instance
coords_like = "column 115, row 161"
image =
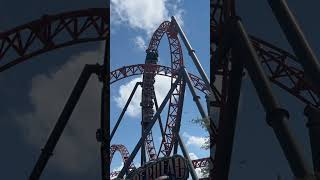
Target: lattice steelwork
column 148, row 96
column 176, row 62
column 175, row 98
column 232, row 50
column 52, row 32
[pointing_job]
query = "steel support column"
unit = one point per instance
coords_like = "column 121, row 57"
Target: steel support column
column 186, row 155
column 297, row 40
column 313, row 124
column 105, row 113
column 124, row 110
column 63, row 120
column 227, row 124
column 195, row 60
column 143, row 150
column 149, row 127
column 178, row 124
column 160, row 121
column 192, row 54
column 277, row 118
column 196, row 100
column 104, row 132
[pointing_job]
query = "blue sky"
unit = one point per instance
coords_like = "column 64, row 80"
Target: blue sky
column 33, row 93
column 132, row 25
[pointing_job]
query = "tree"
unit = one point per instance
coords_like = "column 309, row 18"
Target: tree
column 204, row 123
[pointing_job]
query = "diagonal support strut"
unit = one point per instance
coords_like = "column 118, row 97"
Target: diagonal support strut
column 124, row 110
column 277, row 117
column 62, row 121
column 149, row 127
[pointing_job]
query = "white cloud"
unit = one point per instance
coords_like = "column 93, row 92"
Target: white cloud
column 178, row 12
column 193, row 156
column 194, row 140
column 140, row 42
column 77, row 151
column 118, row 168
column 199, row 173
column 162, row 86
column 144, row 15
column 141, row 14
column 124, row 93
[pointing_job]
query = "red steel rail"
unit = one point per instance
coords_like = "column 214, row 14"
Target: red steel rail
column 52, row 32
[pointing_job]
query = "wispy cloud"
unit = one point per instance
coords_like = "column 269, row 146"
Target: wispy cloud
column 193, row 156
column 162, row 86
column 77, row 150
column 140, row 42
column 144, row 15
column 194, row 140
column 123, row 95
column 199, row 173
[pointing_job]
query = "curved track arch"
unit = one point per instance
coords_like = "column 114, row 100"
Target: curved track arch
column 139, row 69
column 173, row 116
column 122, row 150
column 197, row 163
column 281, row 66
column 52, row 32
column 48, row 33
column 124, row 155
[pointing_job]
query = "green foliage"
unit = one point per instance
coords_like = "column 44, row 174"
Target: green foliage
column 204, row 123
